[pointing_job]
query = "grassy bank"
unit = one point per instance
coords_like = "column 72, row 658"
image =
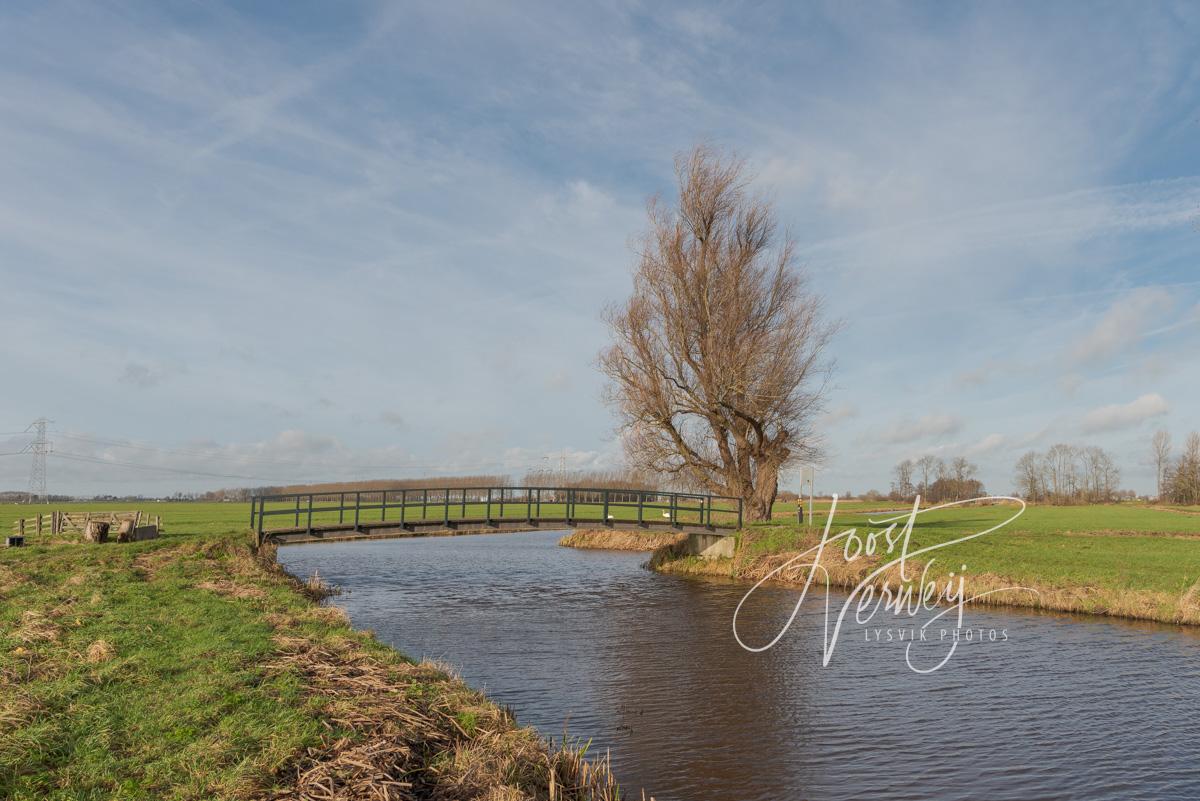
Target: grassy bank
column 190, row 667
column 607, row 539
column 1129, row 561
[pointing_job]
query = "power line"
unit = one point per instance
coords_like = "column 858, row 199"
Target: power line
column 75, row 457
column 209, row 454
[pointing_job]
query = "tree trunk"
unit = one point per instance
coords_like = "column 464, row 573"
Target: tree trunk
column 761, row 497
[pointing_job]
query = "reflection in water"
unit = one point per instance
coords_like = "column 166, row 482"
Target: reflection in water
column 647, row 666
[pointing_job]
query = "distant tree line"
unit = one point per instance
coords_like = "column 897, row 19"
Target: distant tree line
column 453, row 482
column 1067, row 474
column 1178, row 478
column 618, row 478
column 936, row 480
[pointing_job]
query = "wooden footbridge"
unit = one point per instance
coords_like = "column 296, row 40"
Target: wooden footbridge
column 323, row 516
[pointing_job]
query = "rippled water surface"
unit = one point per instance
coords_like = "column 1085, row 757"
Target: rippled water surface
column 647, row 666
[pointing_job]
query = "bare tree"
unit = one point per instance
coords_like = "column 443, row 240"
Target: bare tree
column 1031, row 476
column 927, row 465
column 1100, row 475
column 962, row 471
column 902, row 488
column 1160, row 445
column 1068, row 474
column 717, row 366
column 1062, row 467
column 1182, row 482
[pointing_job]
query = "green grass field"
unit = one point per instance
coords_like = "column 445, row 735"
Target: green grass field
column 1116, row 547
column 186, row 667
column 1127, row 560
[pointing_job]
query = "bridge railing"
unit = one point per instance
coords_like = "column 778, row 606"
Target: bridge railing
column 571, row 506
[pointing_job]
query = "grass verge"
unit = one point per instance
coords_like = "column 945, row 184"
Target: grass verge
column 1134, row 561
column 618, row 540
column 191, row 667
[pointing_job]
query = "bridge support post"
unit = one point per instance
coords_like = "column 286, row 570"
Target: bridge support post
column 710, row 546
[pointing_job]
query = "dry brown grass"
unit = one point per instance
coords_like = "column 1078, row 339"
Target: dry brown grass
column 231, row 588
column 1185, row 535
column 100, row 651
column 9, row 580
column 1138, row 605
column 151, row 562
column 405, row 731
column 17, row 708
column 620, row 540
column 36, row 627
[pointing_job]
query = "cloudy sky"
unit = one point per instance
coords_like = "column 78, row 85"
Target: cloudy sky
column 243, row 246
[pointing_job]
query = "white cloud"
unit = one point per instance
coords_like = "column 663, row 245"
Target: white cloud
column 1124, row 415
column 1122, row 325
column 931, row 425
column 840, row 413
column 986, row 445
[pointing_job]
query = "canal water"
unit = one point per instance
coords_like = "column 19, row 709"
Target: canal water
column 647, row 667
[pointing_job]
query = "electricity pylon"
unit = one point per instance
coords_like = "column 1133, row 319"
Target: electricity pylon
column 39, row 448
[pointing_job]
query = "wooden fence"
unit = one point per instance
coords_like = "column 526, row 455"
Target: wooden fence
column 60, row 522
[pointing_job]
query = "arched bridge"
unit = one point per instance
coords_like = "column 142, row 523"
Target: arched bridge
column 318, row 516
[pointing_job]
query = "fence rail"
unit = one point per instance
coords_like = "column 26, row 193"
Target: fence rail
column 60, row 522
column 489, row 506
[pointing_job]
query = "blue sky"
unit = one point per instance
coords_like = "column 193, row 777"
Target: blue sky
column 368, row 240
